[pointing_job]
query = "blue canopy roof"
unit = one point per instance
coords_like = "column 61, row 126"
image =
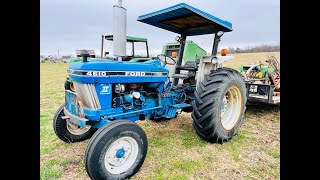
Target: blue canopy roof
column 185, row 19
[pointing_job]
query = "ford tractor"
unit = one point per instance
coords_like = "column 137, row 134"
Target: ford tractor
column 112, row 95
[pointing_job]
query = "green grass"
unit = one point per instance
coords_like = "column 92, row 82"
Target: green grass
column 51, row 169
column 175, row 151
column 190, row 139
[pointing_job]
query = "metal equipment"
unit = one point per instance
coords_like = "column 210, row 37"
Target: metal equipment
column 262, row 82
column 109, row 96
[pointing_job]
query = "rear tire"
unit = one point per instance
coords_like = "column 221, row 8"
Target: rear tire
column 219, row 105
column 116, row 151
column 70, row 133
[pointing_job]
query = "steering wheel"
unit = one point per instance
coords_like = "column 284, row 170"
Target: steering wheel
column 165, row 62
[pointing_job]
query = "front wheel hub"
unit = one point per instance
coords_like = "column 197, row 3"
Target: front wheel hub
column 120, row 153
column 77, row 130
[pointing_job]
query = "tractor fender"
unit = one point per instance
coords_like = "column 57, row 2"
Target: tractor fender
column 208, row 63
column 221, row 59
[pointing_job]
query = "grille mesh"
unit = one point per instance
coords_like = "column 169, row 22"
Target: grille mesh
column 87, row 94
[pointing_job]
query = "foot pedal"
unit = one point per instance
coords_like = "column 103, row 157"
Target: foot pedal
column 171, row 112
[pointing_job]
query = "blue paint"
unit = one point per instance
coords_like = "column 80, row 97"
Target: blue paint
column 149, row 107
column 101, row 123
column 115, row 66
column 104, row 91
column 158, row 98
column 116, row 79
column 158, row 18
column 70, row 102
column 128, row 98
column 142, row 98
column 120, row 153
column 133, row 113
column 111, row 65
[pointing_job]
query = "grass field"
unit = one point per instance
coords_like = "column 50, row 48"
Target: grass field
column 175, row 151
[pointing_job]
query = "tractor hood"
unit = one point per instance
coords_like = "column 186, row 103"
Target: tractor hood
column 112, row 65
column 117, row 72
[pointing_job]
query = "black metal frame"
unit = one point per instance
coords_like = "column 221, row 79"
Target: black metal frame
column 270, row 90
column 181, row 51
column 147, row 48
column 215, row 44
column 179, row 62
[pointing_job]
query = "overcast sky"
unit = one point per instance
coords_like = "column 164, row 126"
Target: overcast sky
column 67, row 25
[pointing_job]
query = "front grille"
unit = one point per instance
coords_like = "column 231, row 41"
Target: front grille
column 87, row 94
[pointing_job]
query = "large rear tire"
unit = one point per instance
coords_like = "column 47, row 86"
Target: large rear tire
column 219, row 105
column 69, row 132
column 116, row 151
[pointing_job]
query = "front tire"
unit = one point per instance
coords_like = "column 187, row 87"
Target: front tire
column 69, row 132
column 116, row 151
column 219, row 105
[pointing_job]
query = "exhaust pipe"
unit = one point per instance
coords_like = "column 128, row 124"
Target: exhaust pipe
column 85, row 54
column 119, row 30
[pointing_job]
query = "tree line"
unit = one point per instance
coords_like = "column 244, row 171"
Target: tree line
column 257, row 48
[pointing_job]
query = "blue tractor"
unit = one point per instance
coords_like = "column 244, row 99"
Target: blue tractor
column 110, row 96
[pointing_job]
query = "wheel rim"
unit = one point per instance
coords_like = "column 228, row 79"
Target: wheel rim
column 121, row 155
column 77, row 130
column 230, row 107
column 72, row 87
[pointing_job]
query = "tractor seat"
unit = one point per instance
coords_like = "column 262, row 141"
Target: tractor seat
column 189, row 65
column 180, row 76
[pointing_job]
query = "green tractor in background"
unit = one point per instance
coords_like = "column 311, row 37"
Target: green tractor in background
column 256, row 71
column 192, row 50
column 134, row 56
